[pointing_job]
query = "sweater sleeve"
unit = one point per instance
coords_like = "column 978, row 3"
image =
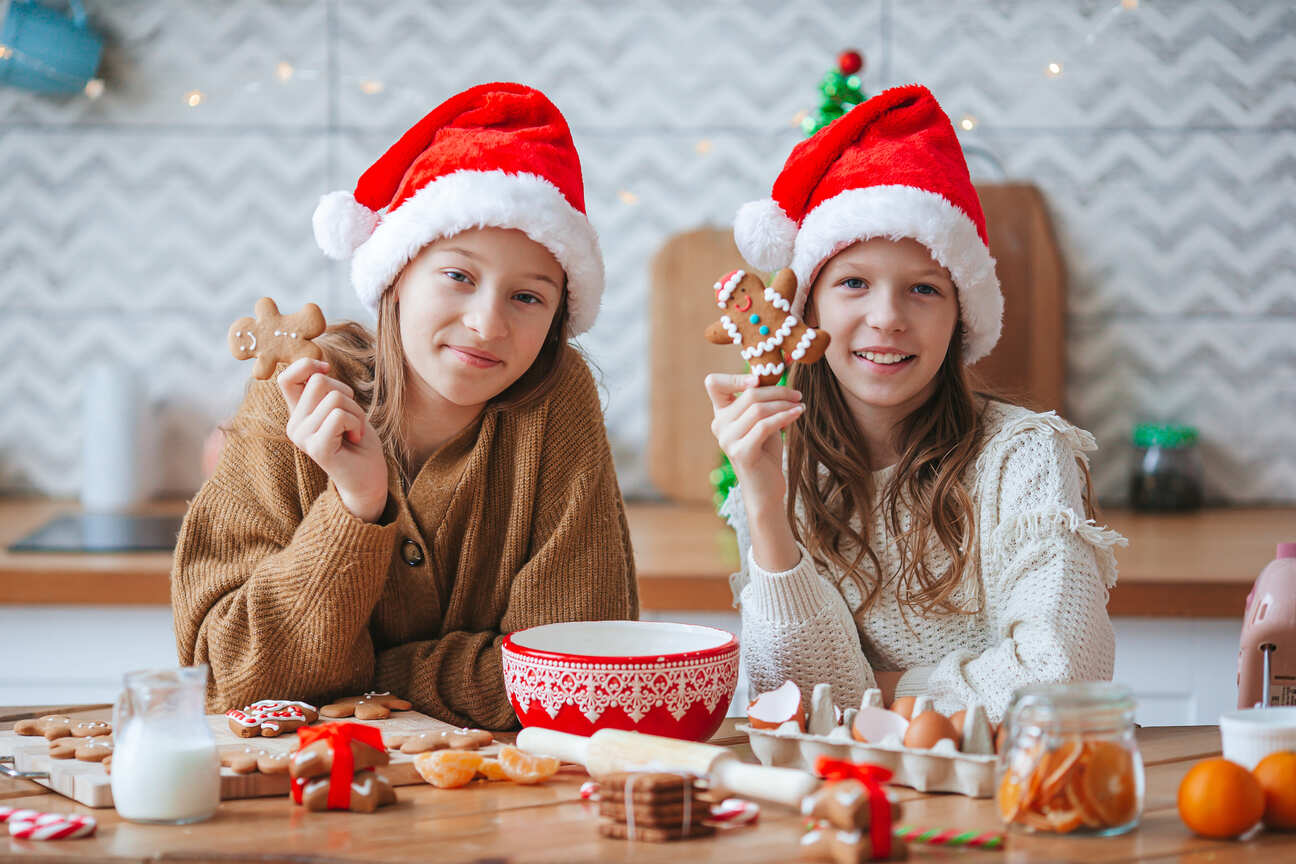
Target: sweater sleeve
column 795, row 625
column 274, row 579
column 579, row 567
column 1046, row 571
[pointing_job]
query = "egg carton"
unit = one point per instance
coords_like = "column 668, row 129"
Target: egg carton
column 940, row 768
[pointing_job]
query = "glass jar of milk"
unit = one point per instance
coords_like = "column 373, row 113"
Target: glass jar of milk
column 165, row 769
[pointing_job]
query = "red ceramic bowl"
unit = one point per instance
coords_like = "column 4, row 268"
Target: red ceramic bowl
column 647, row 676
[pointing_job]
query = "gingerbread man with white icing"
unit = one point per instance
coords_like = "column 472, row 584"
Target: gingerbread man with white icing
column 273, row 338
column 760, row 320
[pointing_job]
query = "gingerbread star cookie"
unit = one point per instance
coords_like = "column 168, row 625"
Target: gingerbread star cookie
column 760, row 320
column 273, row 338
column 370, row 706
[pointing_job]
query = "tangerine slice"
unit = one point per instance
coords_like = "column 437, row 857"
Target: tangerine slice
column 1109, row 783
column 1075, row 797
column 1056, row 768
column 524, row 768
column 1064, row 821
column 448, row 769
column 492, row 770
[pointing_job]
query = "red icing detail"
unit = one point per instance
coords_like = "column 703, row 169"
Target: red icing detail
column 746, row 300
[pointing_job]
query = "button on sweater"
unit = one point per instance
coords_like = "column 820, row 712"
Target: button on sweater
column 518, row 521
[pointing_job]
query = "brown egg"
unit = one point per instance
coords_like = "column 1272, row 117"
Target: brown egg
column 957, row 719
column 904, row 706
column 928, row 728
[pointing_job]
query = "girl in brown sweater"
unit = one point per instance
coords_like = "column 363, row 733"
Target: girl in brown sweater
column 380, row 519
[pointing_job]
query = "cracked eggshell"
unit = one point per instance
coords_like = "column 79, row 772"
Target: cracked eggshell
column 777, row 707
column 873, row 725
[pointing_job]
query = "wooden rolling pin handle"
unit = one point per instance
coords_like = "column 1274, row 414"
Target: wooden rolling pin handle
column 786, row 786
column 560, row 745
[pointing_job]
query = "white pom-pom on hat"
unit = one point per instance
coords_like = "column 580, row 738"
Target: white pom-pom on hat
column 765, row 234
column 341, row 224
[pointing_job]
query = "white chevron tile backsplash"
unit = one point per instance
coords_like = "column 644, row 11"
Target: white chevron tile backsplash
column 137, row 227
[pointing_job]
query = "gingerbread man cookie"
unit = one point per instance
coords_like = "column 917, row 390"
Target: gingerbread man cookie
column 85, row 749
column 440, row 739
column 369, row 791
column 273, row 338
column 250, row 759
column 760, row 320
column 270, row 717
column 52, row 726
column 370, row 706
column 316, row 759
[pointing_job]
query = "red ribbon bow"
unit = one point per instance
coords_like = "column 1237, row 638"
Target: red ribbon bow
column 872, row 776
column 339, row 736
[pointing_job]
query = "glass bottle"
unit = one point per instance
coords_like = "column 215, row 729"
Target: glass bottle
column 1168, row 472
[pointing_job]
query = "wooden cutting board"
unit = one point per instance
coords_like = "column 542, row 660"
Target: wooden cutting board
column 87, row 783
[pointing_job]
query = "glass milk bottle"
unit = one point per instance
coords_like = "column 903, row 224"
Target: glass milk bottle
column 165, row 769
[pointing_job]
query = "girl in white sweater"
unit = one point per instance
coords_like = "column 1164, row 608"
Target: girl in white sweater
column 912, row 535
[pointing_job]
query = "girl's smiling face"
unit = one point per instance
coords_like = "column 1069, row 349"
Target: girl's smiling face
column 475, row 309
column 891, row 311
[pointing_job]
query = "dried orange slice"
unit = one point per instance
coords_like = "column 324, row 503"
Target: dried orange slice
column 1075, row 797
column 1063, row 821
column 491, row 769
column 448, row 769
column 525, row 768
column 1108, row 787
column 1056, row 767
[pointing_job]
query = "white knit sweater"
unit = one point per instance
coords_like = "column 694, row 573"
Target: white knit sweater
column 1045, row 568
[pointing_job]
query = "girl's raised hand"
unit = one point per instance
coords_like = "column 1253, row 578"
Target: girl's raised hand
column 747, row 423
column 328, row 425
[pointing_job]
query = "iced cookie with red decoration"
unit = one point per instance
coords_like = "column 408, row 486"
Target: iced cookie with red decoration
column 760, row 320
column 270, row 717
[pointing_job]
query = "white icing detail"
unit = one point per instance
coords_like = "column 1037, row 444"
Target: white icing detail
column 768, row 368
column 724, row 292
column 731, row 328
column 293, row 335
column 806, row 338
column 772, row 342
column 776, row 300
column 252, row 336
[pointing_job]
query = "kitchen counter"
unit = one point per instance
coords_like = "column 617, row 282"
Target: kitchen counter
column 508, row 823
column 1198, row 565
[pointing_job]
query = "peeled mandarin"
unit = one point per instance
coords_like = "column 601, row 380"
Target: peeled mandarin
column 448, row 769
column 524, row 768
column 491, row 769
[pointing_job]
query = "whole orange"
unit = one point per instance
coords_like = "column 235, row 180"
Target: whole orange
column 1220, row 799
column 1277, row 775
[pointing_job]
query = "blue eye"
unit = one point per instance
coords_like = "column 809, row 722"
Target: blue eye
column 528, row 298
column 854, row 284
column 925, row 289
column 457, row 275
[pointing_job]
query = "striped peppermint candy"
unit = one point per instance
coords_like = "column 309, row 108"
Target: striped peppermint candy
column 735, row 811
column 30, row 825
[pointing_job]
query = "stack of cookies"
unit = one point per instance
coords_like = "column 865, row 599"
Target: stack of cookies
column 658, row 808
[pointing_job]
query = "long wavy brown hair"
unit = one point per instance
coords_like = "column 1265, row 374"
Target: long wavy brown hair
column 373, row 363
column 829, row 475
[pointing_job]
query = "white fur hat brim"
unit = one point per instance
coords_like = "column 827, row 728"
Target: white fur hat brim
column 906, row 211
column 479, row 199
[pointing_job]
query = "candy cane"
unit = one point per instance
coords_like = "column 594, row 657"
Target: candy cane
column 734, row 812
column 948, row 837
column 51, row 826
column 7, row 813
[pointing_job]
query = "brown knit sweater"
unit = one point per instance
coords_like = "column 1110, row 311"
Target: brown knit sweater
column 518, row 521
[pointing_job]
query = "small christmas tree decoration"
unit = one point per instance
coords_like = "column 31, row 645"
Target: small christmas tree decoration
column 841, row 89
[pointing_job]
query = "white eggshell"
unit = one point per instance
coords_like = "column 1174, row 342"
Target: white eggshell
column 876, row 724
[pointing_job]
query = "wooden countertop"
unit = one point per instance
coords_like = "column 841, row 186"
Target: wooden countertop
column 505, row 822
column 1195, row 565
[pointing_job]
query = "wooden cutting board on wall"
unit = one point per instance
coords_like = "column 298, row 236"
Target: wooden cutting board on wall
column 1028, row 365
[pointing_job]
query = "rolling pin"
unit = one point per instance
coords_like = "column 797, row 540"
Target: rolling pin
column 611, row 750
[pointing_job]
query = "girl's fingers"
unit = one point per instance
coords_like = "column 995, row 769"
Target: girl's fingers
column 326, row 440
column 333, row 400
column 293, row 379
column 722, row 388
column 741, row 426
column 772, row 425
column 308, row 399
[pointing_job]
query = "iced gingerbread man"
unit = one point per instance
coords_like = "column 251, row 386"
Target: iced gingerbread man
column 760, row 319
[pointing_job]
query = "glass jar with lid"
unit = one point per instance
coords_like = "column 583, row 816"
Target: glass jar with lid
column 1069, row 762
column 1168, row 471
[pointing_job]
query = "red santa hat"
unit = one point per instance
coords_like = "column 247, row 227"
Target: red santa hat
column 890, row 167
column 497, row 155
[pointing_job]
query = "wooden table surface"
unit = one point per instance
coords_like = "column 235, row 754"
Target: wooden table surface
column 1195, row 565
column 503, row 822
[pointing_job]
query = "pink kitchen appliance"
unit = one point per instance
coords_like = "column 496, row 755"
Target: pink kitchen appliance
column 1267, row 654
